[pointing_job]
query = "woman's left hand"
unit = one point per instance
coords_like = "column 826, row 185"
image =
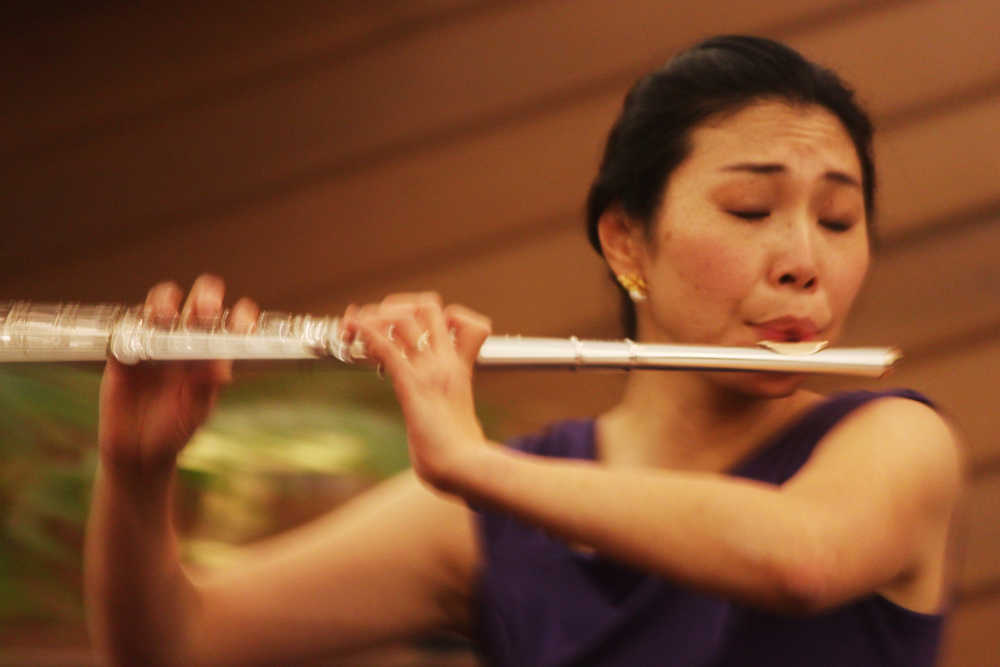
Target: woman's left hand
column 429, row 352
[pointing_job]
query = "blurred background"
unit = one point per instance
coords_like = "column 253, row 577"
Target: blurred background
column 318, row 153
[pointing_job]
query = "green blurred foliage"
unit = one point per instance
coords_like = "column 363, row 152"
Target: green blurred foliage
column 282, row 433
column 48, row 418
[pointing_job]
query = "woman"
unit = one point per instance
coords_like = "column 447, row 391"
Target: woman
column 708, row 518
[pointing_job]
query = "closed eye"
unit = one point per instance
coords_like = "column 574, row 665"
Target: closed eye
column 750, row 214
column 836, row 225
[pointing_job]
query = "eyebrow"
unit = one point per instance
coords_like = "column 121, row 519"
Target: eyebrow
column 777, row 168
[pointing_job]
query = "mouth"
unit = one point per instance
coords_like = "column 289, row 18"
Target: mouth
column 786, row 330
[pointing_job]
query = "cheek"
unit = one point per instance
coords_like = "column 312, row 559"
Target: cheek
column 717, row 270
column 847, row 277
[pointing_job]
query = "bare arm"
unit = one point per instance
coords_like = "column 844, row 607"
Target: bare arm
column 137, row 596
column 396, row 562
column 867, row 510
column 871, row 509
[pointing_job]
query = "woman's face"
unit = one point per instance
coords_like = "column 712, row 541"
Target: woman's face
column 761, row 233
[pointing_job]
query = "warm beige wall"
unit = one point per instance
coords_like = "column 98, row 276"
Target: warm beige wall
column 316, row 153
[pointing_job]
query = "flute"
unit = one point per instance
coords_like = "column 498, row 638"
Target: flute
column 75, row 332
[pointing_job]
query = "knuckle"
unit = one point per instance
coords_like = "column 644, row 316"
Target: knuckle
column 402, row 311
column 164, row 291
column 244, row 315
column 208, row 289
column 247, row 305
column 454, row 318
column 209, row 279
column 431, row 297
column 468, row 316
column 424, row 310
column 165, row 286
column 401, row 299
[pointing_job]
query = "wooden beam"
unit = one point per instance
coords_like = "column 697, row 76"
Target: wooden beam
column 191, row 163
column 109, row 69
column 979, row 537
column 931, row 290
column 939, row 166
column 971, row 638
column 904, row 57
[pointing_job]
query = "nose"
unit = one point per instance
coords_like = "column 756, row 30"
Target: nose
column 795, row 263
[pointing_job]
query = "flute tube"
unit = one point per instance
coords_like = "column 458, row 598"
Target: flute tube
column 46, row 332
column 553, row 352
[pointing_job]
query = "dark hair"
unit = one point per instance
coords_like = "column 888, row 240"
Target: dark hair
column 723, row 74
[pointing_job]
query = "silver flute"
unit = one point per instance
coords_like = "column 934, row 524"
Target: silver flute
column 49, row 332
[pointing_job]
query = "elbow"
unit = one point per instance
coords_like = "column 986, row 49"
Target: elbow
column 806, row 585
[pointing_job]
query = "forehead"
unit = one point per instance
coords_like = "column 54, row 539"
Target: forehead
column 802, row 138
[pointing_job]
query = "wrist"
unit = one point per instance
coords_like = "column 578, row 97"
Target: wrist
column 140, row 478
column 469, row 472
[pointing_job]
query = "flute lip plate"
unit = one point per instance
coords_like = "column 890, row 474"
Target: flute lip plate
column 895, row 356
column 805, row 347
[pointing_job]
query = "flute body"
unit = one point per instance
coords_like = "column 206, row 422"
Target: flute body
column 73, row 332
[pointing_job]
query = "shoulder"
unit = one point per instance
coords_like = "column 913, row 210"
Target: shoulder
column 901, row 421
column 899, row 439
column 837, row 406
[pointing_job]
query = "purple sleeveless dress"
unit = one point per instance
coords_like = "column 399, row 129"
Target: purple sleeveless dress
column 543, row 604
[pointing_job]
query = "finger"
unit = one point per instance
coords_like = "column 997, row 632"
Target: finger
column 426, row 330
column 243, row 316
column 162, row 302
column 204, row 306
column 413, row 298
column 362, row 313
column 397, row 323
column 471, row 330
column 350, row 331
column 430, row 316
column 347, row 323
column 204, row 301
column 350, row 313
column 345, row 332
column 242, row 319
column 426, row 308
column 406, row 331
column 380, row 349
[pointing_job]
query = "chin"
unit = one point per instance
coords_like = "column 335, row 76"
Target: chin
column 760, row 385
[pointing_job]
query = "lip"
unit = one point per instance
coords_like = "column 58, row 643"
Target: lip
column 786, row 329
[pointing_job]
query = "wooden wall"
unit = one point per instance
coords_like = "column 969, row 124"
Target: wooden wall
column 316, row 153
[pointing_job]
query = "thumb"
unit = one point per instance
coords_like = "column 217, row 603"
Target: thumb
column 471, row 330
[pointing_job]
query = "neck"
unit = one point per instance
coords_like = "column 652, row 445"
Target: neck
column 690, row 421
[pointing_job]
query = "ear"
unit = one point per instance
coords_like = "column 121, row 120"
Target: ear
column 622, row 242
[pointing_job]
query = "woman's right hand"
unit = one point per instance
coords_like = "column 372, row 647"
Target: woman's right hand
column 149, row 411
